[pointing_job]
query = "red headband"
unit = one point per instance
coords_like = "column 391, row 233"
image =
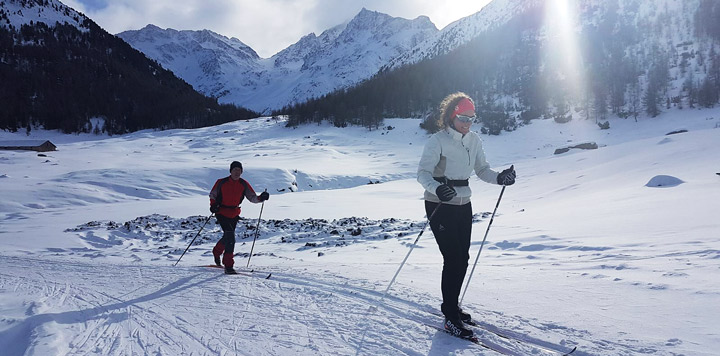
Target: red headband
column 463, row 105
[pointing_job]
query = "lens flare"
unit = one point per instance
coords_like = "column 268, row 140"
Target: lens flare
column 562, row 46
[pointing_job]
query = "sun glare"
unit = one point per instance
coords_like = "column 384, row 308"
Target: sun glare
column 562, row 43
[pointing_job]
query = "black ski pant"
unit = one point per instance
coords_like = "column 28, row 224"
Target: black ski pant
column 452, row 225
column 226, row 245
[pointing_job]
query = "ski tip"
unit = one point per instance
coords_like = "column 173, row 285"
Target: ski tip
column 571, row 351
column 268, row 276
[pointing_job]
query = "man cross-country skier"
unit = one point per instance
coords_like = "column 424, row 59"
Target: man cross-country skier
column 225, row 198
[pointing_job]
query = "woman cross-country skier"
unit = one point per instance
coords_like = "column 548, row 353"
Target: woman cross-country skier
column 225, row 198
column 449, row 158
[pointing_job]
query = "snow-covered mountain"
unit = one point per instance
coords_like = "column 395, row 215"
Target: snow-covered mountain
column 316, row 65
column 59, row 69
column 631, row 33
column 21, row 12
column 620, row 42
column 231, row 71
column 205, row 59
column 461, row 31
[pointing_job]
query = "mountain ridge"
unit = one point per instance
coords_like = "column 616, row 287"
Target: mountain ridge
column 339, row 57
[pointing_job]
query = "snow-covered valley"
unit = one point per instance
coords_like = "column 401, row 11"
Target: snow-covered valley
column 584, row 251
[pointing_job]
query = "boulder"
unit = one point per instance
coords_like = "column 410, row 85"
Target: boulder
column 676, row 132
column 582, row 146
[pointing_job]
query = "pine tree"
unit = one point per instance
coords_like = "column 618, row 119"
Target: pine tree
column 690, row 90
column 651, row 100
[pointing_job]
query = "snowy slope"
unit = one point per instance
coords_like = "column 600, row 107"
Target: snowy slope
column 315, row 65
column 583, row 251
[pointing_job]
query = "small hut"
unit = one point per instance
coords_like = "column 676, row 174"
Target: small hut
column 28, row 145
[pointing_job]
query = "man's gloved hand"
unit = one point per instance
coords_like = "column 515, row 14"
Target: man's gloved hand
column 507, row 177
column 445, row 192
column 264, row 196
column 214, row 208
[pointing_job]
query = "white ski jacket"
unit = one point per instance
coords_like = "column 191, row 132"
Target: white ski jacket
column 451, row 155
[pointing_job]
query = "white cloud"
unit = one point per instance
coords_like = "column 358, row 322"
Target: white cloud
column 267, row 26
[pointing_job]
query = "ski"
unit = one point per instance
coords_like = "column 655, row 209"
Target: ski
column 524, row 341
column 516, row 339
column 474, row 339
column 249, row 273
column 264, row 275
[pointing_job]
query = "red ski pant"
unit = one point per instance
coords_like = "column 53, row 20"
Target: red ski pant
column 227, row 242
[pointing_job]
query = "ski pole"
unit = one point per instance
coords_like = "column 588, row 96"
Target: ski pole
column 257, row 230
column 409, row 252
column 193, row 240
column 373, row 308
column 481, row 246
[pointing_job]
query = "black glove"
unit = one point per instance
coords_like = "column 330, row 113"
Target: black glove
column 507, row 177
column 445, row 192
column 264, row 196
column 214, row 208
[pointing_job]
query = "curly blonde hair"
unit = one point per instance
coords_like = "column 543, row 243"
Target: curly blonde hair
column 447, row 106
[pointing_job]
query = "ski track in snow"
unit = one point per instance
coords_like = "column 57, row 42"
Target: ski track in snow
column 67, row 299
column 295, row 311
column 148, row 318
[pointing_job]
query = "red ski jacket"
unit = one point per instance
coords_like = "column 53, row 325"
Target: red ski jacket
column 229, row 193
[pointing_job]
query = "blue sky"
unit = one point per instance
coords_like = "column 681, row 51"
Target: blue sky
column 267, row 26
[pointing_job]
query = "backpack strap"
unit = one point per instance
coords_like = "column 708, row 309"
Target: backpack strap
column 245, row 186
column 219, row 192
